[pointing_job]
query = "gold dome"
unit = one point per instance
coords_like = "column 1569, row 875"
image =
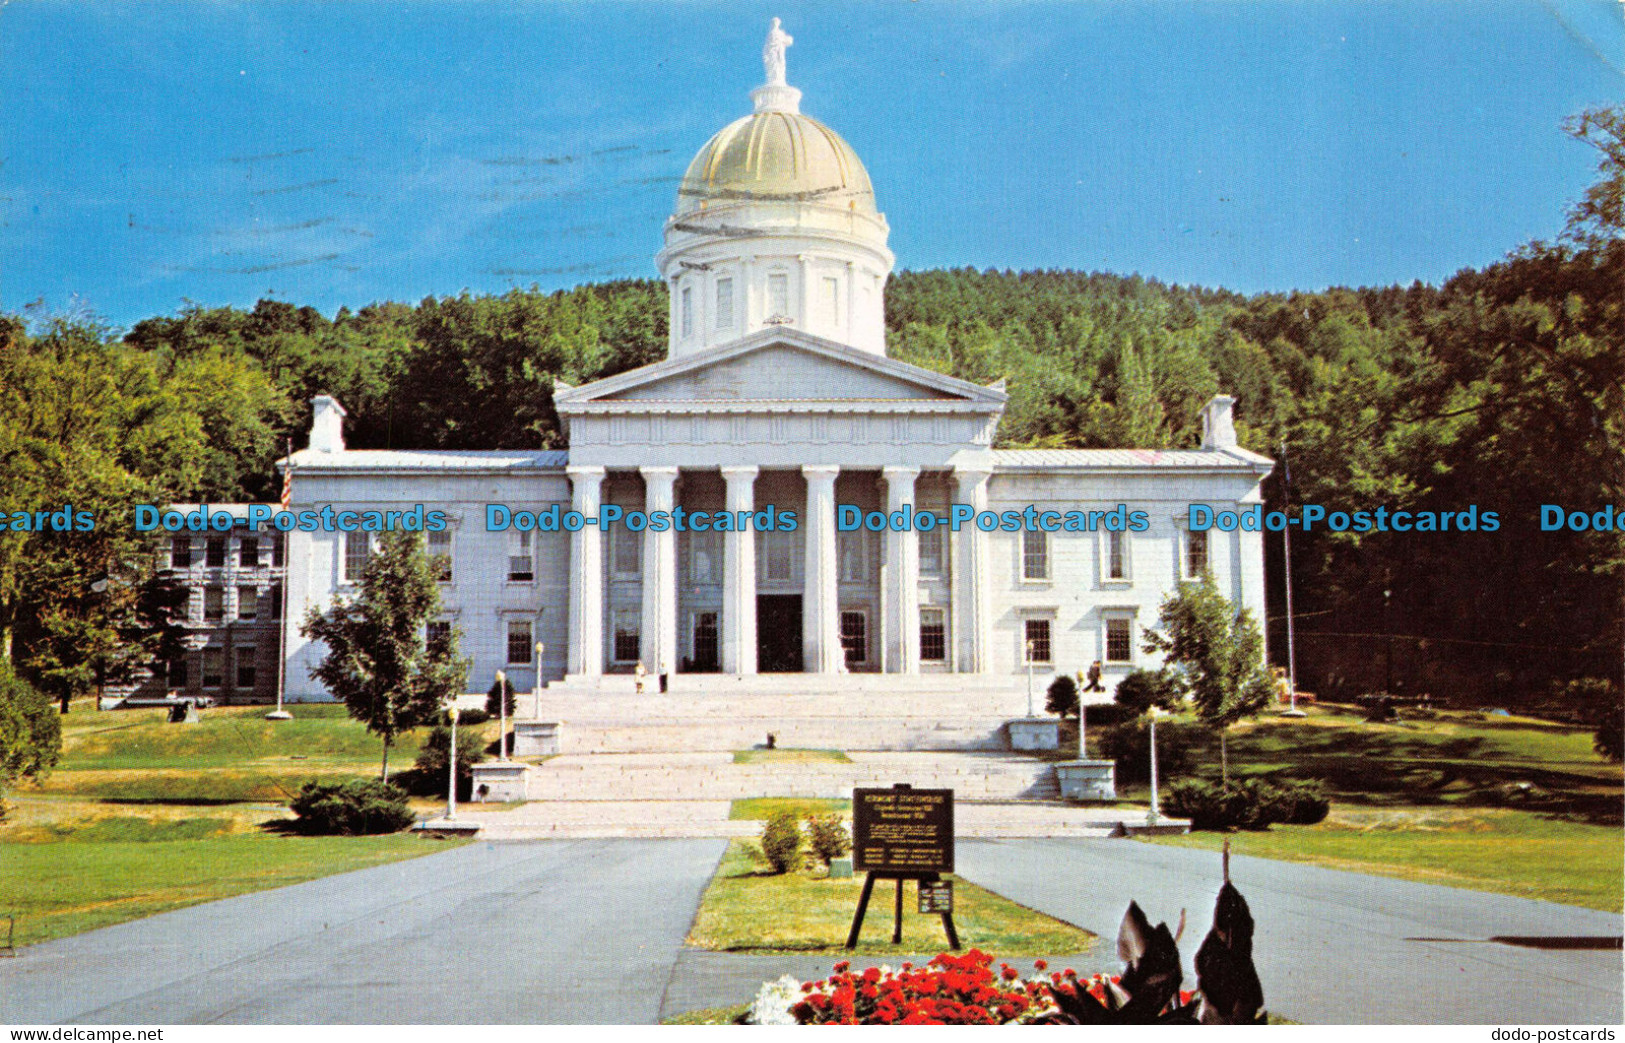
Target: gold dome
column 777, row 156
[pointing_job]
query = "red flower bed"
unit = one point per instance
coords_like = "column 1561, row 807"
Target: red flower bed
column 950, row 990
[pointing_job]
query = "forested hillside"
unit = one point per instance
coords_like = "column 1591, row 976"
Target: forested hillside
column 1501, row 389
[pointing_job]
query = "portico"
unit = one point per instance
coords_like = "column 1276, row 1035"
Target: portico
column 699, row 592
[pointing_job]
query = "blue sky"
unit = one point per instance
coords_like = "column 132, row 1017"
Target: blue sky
column 342, row 153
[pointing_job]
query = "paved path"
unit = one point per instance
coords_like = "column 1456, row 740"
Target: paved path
column 579, row 931
column 1332, row 947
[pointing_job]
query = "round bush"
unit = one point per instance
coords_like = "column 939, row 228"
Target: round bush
column 828, row 838
column 352, row 808
column 781, row 841
column 1129, row 745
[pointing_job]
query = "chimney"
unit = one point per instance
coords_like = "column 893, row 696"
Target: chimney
column 1218, row 427
column 327, row 425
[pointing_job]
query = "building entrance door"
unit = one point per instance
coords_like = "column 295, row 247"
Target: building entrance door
column 778, row 633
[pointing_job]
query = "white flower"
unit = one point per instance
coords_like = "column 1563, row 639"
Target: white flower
column 772, row 1004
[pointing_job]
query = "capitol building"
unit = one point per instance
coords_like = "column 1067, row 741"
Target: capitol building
column 776, row 390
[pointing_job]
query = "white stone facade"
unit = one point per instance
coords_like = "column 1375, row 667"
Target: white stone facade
column 777, row 392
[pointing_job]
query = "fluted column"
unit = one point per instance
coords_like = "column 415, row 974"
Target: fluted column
column 902, row 593
column 972, row 620
column 658, row 644
column 586, row 575
column 820, row 609
column 739, row 576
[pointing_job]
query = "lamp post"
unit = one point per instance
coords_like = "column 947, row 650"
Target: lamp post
column 1387, row 646
column 536, row 691
column 502, row 715
column 1029, row 677
column 451, row 788
column 1153, row 814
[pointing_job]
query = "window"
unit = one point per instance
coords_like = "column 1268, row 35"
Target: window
column 440, row 554
column 248, row 603
column 832, row 301
column 725, row 303
column 214, row 553
column 276, row 601
column 177, row 673
column 1037, row 641
column 855, row 637
column 248, row 552
column 703, row 561
column 357, row 550
column 1116, row 555
column 1035, row 554
column 854, row 548
column 245, row 666
column 933, row 635
column 933, row 545
column 278, row 549
column 437, row 634
column 705, row 641
column 777, row 556
column 778, row 296
column 625, row 633
column 625, row 552
column 688, row 311
column 1195, row 554
column 519, row 642
column 521, row 567
column 214, row 604
column 180, row 552
column 213, row 664
column 1119, row 639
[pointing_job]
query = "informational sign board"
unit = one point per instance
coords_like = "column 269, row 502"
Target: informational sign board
column 936, row 896
column 904, row 831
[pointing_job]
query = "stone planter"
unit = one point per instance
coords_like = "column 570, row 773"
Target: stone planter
column 1087, row 780
column 535, row 738
column 504, row 781
column 1034, row 733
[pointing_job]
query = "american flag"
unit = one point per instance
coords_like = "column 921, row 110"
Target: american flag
column 287, row 477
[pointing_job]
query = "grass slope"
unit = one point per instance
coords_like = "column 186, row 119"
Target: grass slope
column 1512, row 805
column 747, row 909
column 143, row 816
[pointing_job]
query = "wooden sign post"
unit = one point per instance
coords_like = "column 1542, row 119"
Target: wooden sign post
column 902, row 834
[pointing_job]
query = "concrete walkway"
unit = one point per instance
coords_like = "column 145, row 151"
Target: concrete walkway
column 1333, row 947
column 581, row 931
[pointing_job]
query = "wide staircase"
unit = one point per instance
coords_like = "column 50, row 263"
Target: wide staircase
column 713, row 712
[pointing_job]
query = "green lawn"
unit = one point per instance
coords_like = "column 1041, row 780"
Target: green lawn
column 143, row 816
column 758, row 756
column 1485, row 849
column 747, row 909
column 765, row 808
column 1507, row 804
column 62, row 888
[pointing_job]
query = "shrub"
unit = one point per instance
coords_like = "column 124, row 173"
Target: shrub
column 827, row 838
column 432, row 759
column 1300, row 803
column 492, row 707
column 351, row 808
column 30, row 731
column 1245, row 803
column 469, row 718
column 781, row 841
column 1143, row 689
column 1129, row 744
column 1062, row 697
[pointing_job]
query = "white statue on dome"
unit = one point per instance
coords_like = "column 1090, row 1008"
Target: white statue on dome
column 773, row 54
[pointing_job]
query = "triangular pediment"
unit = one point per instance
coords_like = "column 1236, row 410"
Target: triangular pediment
column 780, row 366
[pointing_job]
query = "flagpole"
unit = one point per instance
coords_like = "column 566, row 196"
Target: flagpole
column 1286, row 553
column 280, row 714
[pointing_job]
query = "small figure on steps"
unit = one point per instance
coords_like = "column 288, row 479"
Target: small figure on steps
column 638, row 674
